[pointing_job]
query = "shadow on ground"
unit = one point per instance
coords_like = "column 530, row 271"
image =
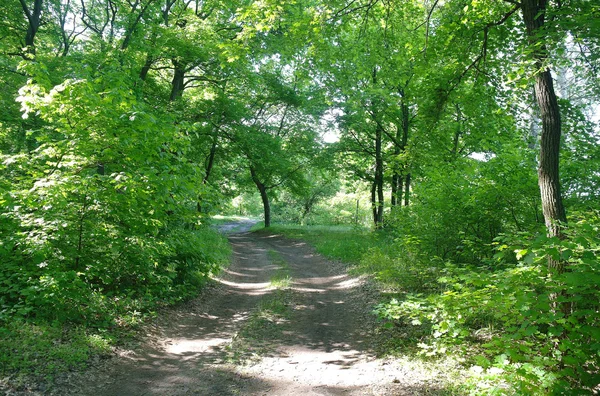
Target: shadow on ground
column 321, row 349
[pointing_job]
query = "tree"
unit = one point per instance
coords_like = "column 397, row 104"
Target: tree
column 534, row 14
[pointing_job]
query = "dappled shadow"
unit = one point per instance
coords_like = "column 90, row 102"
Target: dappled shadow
column 226, row 381
column 326, row 302
column 321, row 349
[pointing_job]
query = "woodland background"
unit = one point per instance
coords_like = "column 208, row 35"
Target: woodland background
column 453, row 143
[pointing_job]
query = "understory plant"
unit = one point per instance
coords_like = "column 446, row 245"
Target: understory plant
column 512, row 316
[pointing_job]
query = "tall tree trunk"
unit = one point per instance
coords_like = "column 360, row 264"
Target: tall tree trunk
column 394, row 195
column 400, row 141
column 210, row 161
column 377, row 196
column 548, row 167
column 263, row 195
column 457, row 133
column 379, row 176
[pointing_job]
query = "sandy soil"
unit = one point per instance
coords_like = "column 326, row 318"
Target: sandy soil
column 321, row 347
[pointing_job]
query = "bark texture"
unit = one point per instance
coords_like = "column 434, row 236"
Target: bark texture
column 378, row 209
column 548, row 168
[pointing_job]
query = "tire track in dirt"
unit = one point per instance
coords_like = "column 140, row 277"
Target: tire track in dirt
column 323, row 349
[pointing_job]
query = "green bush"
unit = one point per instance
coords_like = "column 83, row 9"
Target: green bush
column 539, row 327
column 44, row 350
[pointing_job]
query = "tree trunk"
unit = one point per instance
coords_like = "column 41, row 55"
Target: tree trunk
column 210, row 161
column 146, row 68
column 374, row 201
column 457, row 133
column 263, row 195
column 377, row 196
column 407, row 192
column 177, row 86
column 33, row 19
column 395, row 180
column 401, row 139
column 379, row 176
column 548, row 167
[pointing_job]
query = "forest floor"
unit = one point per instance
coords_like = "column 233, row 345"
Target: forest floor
column 280, row 320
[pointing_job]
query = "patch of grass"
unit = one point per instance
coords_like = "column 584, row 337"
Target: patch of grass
column 281, row 281
column 29, row 351
column 258, row 226
column 282, row 278
column 258, row 337
column 344, row 243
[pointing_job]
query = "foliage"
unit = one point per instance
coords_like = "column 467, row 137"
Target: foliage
column 46, row 350
column 499, row 316
column 126, row 124
column 338, row 242
column 507, row 311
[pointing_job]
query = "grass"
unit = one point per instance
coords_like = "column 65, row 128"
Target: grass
column 344, row 243
column 264, row 326
column 43, row 351
column 258, row 226
column 282, row 278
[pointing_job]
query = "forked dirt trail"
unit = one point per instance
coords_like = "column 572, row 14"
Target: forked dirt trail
column 250, row 335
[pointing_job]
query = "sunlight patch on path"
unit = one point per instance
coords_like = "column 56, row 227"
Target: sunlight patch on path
column 347, row 369
column 186, row 347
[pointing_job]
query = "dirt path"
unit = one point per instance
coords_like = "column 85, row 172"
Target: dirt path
column 282, row 321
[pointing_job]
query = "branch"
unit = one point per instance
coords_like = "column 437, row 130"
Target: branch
column 483, row 54
column 130, row 30
column 191, row 79
column 427, row 26
column 26, row 10
column 492, row 24
column 337, row 14
column 380, row 125
column 347, row 10
column 284, row 178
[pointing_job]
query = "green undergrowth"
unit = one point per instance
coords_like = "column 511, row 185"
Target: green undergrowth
column 56, row 320
column 43, row 351
column 516, row 327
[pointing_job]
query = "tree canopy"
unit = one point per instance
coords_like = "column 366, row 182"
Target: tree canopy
column 468, row 125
